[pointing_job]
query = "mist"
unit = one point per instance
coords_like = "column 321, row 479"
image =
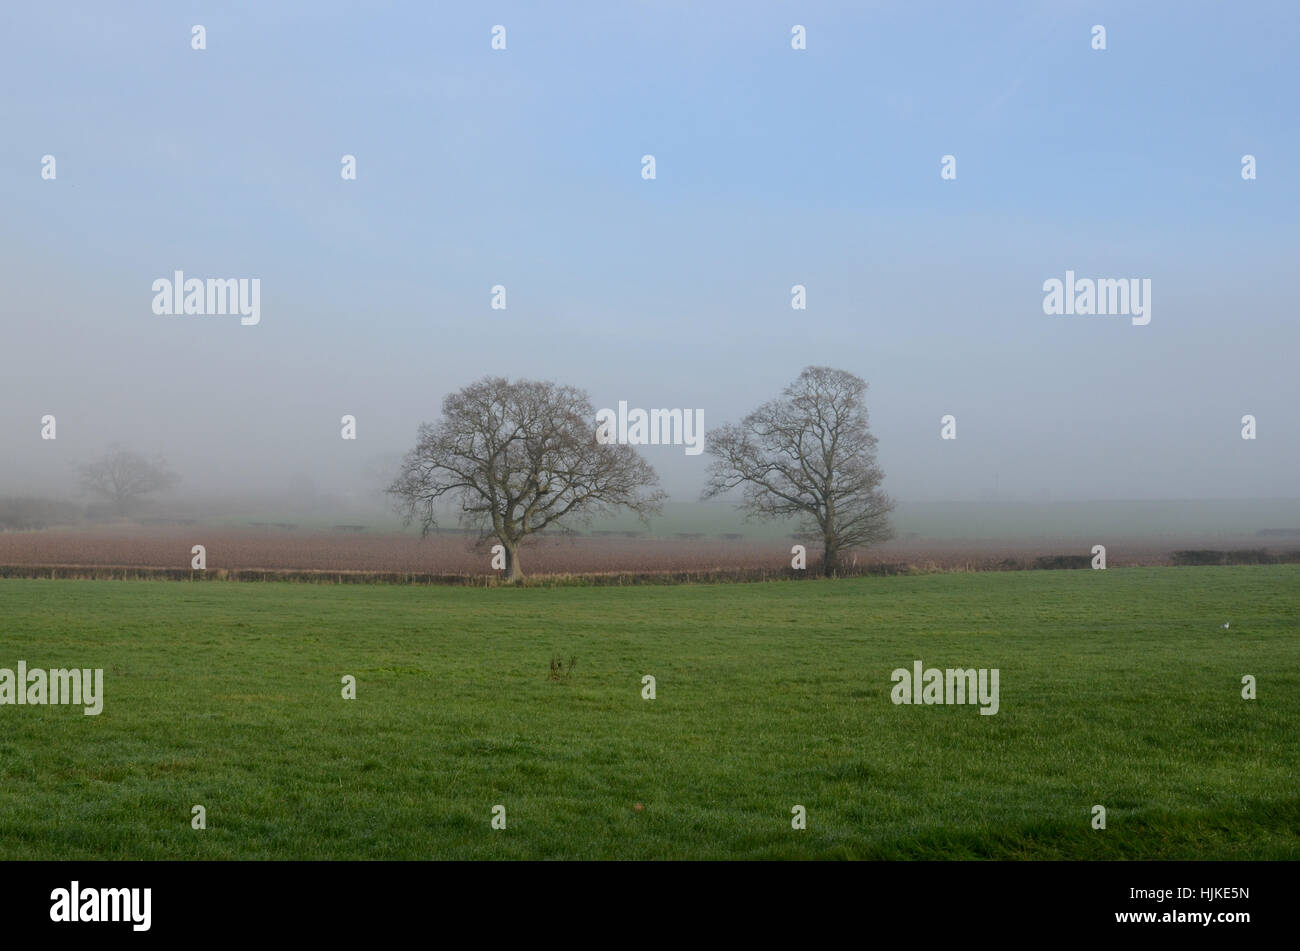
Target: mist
column 476, row 170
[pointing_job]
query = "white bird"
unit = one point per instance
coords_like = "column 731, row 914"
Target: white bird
column 1225, row 625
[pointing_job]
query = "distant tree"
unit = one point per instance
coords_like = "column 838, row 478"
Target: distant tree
column 377, row 474
column 518, row 458
column 122, row 478
column 809, row 455
column 25, row 513
column 301, row 490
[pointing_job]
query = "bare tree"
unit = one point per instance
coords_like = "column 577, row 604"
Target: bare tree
column 122, row 477
column 810, row 455
column 517, row 458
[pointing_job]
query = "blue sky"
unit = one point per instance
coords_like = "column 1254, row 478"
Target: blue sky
column 775, row 167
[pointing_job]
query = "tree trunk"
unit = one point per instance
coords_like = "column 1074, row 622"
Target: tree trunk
column 830, row 559
column 513, row 572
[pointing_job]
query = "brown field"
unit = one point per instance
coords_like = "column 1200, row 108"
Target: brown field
column 271, row 549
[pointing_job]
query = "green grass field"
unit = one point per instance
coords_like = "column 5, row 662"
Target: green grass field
column 1118, row 688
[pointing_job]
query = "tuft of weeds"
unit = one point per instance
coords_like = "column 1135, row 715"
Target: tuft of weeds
column 559, row 671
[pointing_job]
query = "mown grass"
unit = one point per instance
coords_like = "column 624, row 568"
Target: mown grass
column 1118, row 688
